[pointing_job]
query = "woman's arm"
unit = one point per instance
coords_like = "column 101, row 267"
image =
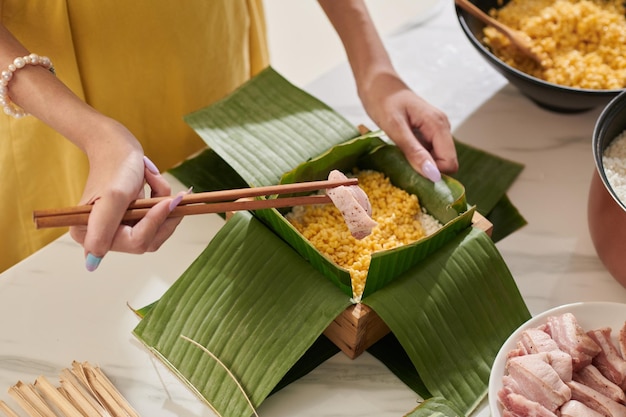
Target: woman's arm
column 117, row 166
column 420, row 130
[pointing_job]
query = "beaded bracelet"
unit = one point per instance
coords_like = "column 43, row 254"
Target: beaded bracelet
column 6, row 76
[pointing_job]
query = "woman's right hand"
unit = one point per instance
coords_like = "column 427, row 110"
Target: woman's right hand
column 118, row 172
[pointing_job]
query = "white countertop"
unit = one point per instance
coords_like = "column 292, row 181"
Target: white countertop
column 52, row 311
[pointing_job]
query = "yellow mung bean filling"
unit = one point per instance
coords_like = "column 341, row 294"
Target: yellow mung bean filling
column 397, row 213
column 583, row 41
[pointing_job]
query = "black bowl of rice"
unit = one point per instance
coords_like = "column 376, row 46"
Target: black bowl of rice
column 583, row 42
column 606, row 207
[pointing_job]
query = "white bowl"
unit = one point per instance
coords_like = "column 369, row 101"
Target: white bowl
column 590, row 315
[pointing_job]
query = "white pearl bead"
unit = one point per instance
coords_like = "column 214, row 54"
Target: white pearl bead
column 19, row 62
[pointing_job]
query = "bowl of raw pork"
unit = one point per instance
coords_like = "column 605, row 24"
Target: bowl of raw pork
column 606, row 205
column 563, row 362
column 569, row 81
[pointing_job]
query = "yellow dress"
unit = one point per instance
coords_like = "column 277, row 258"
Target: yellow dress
column 146, row 63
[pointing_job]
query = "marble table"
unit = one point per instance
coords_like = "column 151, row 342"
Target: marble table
column 52, row 311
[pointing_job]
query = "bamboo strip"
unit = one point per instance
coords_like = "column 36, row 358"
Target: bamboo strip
column 81, row 396
column 78, row 371
column 82, row 371
column 223, row 365
column 7, row 410
column 20, row 395
column 105, row 397
column 37, row 400
column 111, row 389
column 85, row 391
column 56, row 398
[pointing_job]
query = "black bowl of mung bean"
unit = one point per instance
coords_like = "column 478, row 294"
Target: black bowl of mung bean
column 583, row 44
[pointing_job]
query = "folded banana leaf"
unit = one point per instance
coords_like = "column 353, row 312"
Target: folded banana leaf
column 259, row 303
column 445, row 201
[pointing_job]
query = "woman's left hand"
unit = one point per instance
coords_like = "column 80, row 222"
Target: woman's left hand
column 418, row 128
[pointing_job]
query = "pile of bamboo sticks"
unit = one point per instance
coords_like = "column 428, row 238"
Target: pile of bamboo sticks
column 84, row 391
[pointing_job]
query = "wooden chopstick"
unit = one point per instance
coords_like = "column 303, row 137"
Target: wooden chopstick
column 201, row 203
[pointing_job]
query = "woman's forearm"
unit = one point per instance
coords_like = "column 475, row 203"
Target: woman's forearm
column 362, row 43
column 36, row 90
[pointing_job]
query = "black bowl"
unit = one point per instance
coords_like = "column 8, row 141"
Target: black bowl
column 547, row 95
column 610, row 124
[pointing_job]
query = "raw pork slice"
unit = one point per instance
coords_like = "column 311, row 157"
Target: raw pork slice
column 354, row 206
column 608, row 360
column 574, row 408
column 537, row 380
column 596, row 401
column 592, row 377
column 572, row 339
column 536, row 340
column 516, row 405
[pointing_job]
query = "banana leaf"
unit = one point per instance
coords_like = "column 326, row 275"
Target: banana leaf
column 260, row 306
column 268, row 126
column 451, row 317
column 435, row 407
column 258, row 324
column 478, row 171
column 506, row 219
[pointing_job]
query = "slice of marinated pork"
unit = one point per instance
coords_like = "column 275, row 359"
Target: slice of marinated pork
column 536, row 340
column 609, row 361
column 519, row 350
column 359, row 194
column 538, row 381
column 571, row 338
column 561, row 362
column 354, row 206
column 593, row 378
column 516, row 405
column 574, row 408
column 596, row 401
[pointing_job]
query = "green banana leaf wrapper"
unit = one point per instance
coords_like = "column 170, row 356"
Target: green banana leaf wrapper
column 260, row 296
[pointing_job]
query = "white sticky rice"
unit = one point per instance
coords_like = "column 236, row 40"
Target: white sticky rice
column 614, row 162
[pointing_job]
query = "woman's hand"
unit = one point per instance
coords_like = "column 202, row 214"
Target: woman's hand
column 117, row 175
column 419, row 129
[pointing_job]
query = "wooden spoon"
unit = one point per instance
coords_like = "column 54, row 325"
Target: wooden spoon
column 518, row 39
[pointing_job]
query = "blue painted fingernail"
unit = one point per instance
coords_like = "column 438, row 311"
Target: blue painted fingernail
column 431, row 172
column 150, row 165
column 92, row 262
